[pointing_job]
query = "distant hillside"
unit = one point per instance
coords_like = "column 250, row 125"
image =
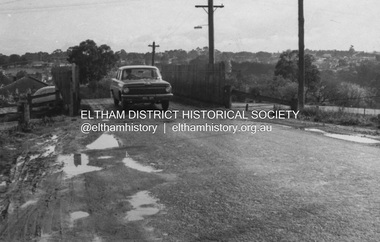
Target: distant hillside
column 252, row 68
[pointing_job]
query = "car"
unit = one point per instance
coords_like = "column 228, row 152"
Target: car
column 140, row 84
column 49, row 100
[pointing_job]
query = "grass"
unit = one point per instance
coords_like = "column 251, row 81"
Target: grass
column 101, row 90
column 340, row 118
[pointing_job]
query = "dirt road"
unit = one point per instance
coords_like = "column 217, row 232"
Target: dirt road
column 276, row 184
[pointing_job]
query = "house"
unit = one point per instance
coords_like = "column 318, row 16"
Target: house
column 38, row 64
column 4, row 80
column 23, row 85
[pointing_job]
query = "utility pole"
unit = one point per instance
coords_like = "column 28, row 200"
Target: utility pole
column 210, row 11
column 153, row 51
column 301, row 62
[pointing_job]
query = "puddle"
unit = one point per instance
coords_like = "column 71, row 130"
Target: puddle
column 45, row 237
column 129, row 162
column 77, row 215
column 76, row 164
column 143, row 205
column 316, row 130
column 96, row 239
column 48, row 151
column 28, row 203
column 105, row 141
column 352, row 138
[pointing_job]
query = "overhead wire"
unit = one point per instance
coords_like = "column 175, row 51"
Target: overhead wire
column 4, row 3
column 59, row 6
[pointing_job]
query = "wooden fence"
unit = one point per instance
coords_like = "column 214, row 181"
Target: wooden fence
column 204, row 83
column 26, row 105
column 66, row 79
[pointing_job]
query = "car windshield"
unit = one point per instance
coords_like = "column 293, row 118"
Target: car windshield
column 140, row 73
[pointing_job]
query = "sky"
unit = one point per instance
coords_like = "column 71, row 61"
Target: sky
column 242, row 25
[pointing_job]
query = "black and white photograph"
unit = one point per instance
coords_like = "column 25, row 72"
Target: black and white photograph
column 189, row 120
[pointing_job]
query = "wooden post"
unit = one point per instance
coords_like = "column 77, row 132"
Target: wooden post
column 71, row 105
column 74, row 92
column 227, row 96
column 57, row 97
column 27, row 107
column 301, row 62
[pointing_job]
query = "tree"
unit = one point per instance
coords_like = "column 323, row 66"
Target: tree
column 351, row 50
column 122, row 54
column 350, row 94
column 21, row 74
column 94, row 62
column 328, row 87
column 200, row 60
column 3, row 60
column 14, row 59
column 287, row 67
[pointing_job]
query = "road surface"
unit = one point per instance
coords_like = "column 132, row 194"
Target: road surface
column 280, row 184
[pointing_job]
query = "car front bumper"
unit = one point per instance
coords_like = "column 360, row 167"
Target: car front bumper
column 141, row 98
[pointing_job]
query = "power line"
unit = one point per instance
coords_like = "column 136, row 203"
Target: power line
column 10, row 2
column 59, row 7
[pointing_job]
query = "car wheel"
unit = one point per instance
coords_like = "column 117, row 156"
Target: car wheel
column 165, row 105
column 125, row 105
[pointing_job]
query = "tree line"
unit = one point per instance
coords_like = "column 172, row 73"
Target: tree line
column 269, row 74
column 356, row 86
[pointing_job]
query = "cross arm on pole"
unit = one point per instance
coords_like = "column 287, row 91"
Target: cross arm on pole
column 205, row 7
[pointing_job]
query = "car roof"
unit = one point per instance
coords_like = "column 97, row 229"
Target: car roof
column 137, row 66
column 47, row 87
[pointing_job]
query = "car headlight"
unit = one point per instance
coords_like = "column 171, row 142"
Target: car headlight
column 125, row 89
column 168, row 89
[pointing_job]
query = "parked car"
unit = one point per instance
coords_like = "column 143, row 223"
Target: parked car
column 140, row 84
column 49, row 100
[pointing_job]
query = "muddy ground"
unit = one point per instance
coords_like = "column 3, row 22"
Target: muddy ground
column 64, row 185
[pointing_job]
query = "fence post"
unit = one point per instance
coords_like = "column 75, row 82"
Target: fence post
column 74, row 96
column 294, row 104
column 26, row 109
column 227, row 96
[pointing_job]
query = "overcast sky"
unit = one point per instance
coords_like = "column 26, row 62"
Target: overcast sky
column 242, row 25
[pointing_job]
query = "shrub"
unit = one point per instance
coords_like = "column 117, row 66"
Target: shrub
column 338, row 117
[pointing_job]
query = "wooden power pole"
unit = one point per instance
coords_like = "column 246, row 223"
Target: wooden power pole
column 301, row 62
column 210, row 11
column 153, row 51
